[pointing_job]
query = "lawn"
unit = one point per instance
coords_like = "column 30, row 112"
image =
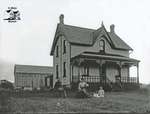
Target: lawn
column 136, row 101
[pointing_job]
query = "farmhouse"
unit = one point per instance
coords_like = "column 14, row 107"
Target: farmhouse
column 98, row 56
column 33, row 77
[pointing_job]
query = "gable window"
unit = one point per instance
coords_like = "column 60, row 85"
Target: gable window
column 57, row 72
column 64, row 69
column 57, row 51
column 102, row 46
column 64, row 46
column 86, row 70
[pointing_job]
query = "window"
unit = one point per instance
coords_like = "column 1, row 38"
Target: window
column 64, row 69
column 86, row 70
column 57, row 51
column 102, row 45
column 64, row 46
column 57, row 72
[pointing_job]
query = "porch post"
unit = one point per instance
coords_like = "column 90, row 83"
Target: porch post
column 71, row 78
column 100, row 62
column 138, row 73
column 78, row 71
column 79, row 64
column 128, row 73
column 100, row 71
column 71, row 68
column 120, row 69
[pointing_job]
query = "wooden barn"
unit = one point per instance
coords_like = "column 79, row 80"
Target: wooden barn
column 97, row 55
column 33, row 77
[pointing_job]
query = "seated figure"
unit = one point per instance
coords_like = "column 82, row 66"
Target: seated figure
column 82, row 93
column 100, row 92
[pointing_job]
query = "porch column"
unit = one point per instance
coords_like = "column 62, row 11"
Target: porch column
column 71, row 77
column 128, row 73
column 79, row 66
column 138, row 73
column 100, row 62
column 120, row 68
column 78, row 71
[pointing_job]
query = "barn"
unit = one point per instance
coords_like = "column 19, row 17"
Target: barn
column 33, row 77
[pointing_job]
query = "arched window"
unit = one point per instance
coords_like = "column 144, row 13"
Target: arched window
column 102, row 46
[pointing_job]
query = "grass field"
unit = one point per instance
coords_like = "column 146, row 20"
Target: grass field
column 136, row 101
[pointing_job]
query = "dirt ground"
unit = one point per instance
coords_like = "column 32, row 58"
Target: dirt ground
column 136, row 101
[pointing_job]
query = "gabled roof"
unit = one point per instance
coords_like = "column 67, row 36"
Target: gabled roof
column 78, row 35
column 85, row 36
column 33, row 69
column 118, row 42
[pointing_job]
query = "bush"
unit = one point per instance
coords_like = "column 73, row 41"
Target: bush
column 144, row 90
column 7, row 85
column 4, row 101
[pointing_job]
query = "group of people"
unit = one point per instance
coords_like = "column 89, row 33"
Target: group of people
column 82, row 90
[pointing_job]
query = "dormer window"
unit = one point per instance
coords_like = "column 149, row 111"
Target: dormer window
column 102, row 46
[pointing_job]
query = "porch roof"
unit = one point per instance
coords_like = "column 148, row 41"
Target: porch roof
column 106, row 57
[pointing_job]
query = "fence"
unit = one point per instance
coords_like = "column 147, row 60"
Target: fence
column 129, row 79
column 89, row 79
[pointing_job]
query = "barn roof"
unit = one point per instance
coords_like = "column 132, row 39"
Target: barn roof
column 33, row 69
column 86, row 36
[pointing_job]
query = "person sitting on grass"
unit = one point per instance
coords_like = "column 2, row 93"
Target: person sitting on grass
column 100, row 92
column 82, row 93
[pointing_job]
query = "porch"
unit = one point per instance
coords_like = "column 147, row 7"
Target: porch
column 98, row 79
column 107, row 71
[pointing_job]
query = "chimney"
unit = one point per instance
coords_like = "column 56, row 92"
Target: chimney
column 61, row 19
column 112, row 28
column 102, row 24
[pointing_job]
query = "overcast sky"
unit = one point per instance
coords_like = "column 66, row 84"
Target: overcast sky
column 29, row 41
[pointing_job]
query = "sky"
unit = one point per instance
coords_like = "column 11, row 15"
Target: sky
column 29, row 40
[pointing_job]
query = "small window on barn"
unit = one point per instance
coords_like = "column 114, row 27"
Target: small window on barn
column 64, row 69
column 102, row 46
column 57, row 72
column 64, row 46
column 57, row 51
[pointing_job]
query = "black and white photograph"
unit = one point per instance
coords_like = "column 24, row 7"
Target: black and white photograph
column 74, row 56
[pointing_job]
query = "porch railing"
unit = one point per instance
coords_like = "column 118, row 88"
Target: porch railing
column 129, row 79
column 89, row 79
column 102, row 79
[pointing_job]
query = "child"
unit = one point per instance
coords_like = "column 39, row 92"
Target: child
column 101, row 92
